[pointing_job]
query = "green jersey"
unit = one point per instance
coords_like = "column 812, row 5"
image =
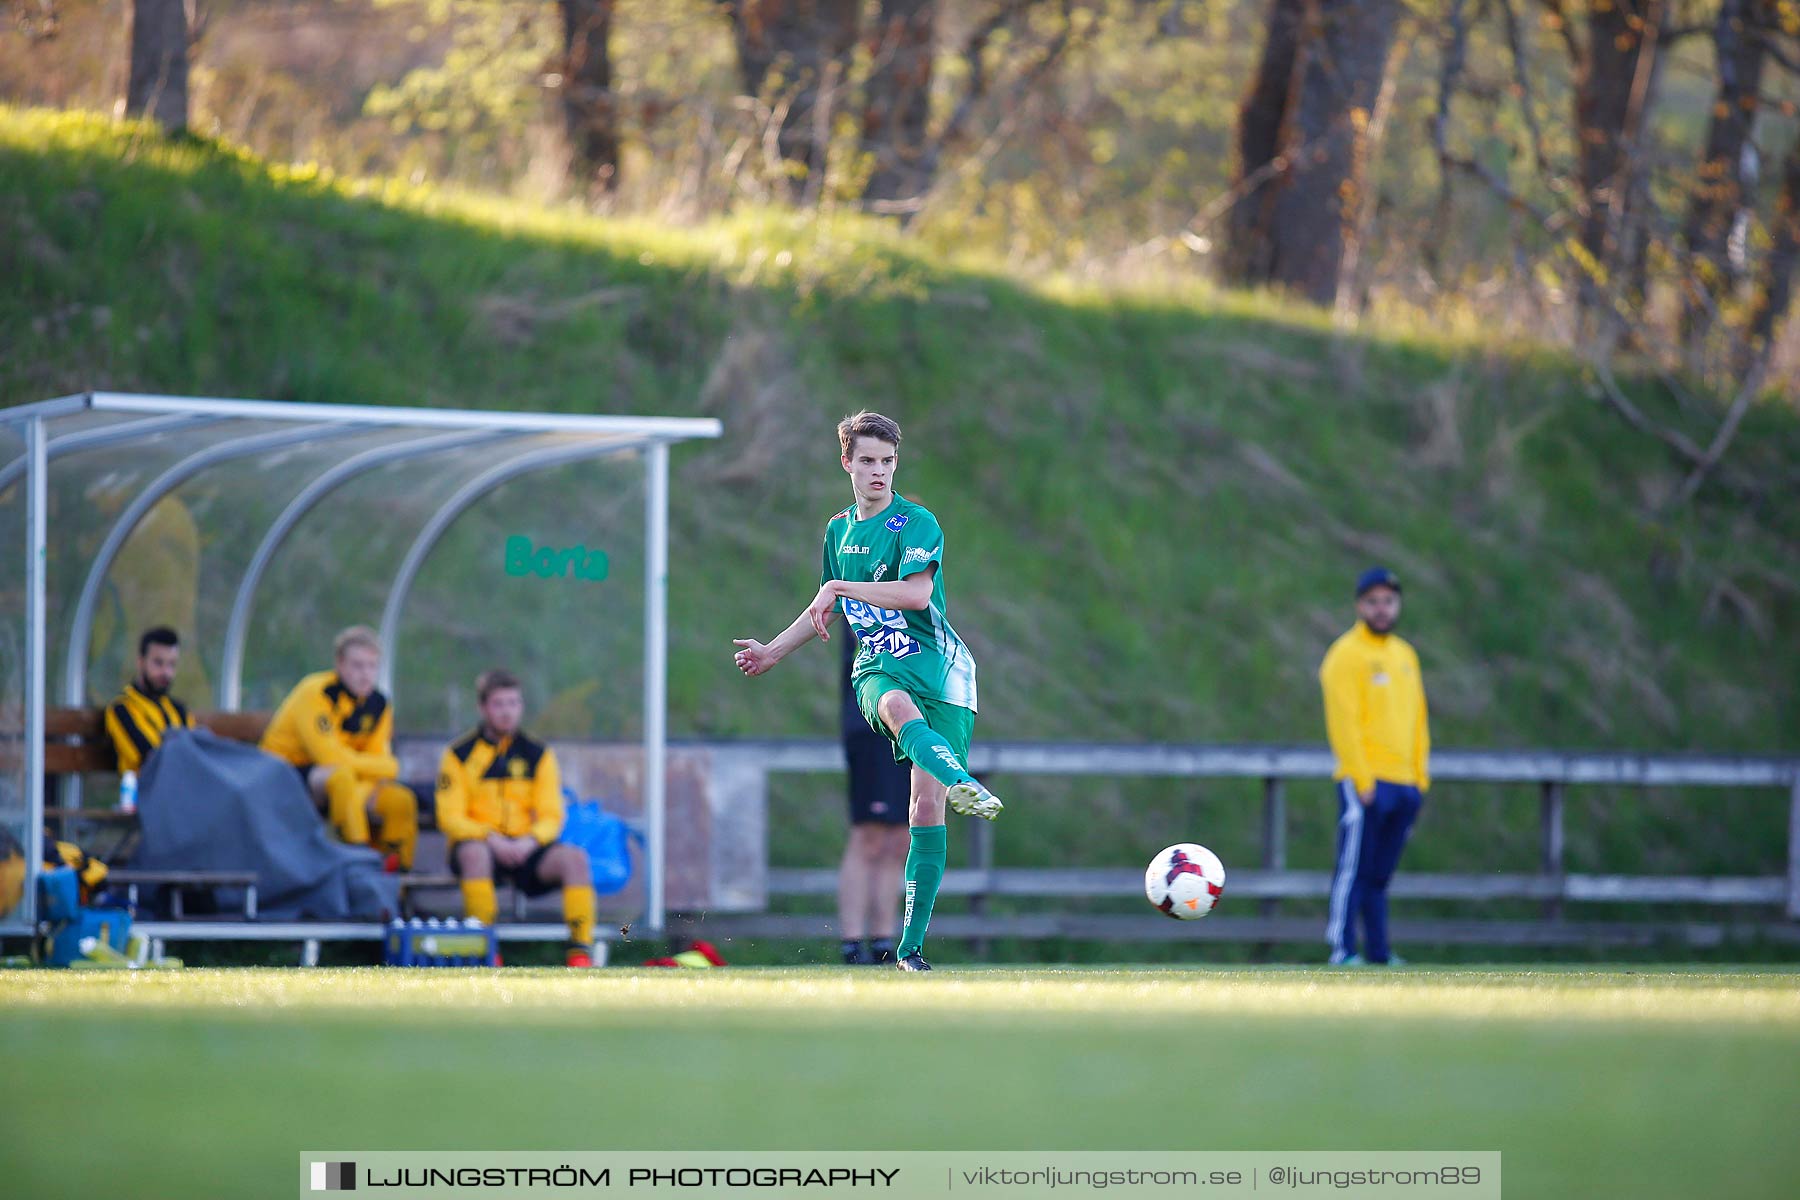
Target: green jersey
column 918, row 648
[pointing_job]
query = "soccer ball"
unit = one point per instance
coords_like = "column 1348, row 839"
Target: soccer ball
column 1184, row 881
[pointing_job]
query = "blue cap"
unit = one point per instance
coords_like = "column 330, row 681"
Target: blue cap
column 1376, row 577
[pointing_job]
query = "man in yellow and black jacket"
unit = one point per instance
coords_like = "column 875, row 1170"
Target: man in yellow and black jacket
column 338, row 730
column 499, row 802
column 141, row 714
column 1376, row 720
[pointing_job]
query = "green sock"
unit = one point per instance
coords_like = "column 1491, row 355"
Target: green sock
column 924, row 871
column 932, row 754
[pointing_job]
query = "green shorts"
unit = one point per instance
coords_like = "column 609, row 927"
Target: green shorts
column 954, row 722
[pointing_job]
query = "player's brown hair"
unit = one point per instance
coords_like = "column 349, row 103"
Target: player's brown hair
column 866, row 424
column 356, row 635
column 496, row 680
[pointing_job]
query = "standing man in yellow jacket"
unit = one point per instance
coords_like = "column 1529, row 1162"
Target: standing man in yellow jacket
column 499, row 802
column 338, row 729
column 1376, row 721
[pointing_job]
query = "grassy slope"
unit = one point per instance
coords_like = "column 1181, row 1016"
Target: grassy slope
column 1589, row 1083
column 1154, row 502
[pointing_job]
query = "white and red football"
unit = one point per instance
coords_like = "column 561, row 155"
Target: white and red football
column 1185, row 881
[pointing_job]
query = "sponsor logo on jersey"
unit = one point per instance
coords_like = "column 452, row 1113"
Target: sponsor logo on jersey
column 854, row 550
column 897, row 522
column 917, row 554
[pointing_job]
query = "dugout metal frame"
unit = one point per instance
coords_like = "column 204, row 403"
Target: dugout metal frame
column 411, row 433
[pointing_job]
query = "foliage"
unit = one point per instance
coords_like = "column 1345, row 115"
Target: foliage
column 1212, row 469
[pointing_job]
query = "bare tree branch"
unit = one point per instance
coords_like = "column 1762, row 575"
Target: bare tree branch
column 1566, row 28
column 972, row 53
column 1722, row 438
column 979, row 85
column 1515, row 44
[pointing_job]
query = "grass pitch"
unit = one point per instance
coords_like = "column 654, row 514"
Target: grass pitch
column 1641, row 1083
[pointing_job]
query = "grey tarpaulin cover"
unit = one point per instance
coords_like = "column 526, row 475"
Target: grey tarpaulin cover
column 206, row 803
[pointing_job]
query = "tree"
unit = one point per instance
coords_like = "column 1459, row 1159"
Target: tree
column 1616, row 75
column 590, row 114
column 1262, row 114
column 797, row 52
column 1720, row 201
column 897, row 107
column 1310, row 191
column 158, row 84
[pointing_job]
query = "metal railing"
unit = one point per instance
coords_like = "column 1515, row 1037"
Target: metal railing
column 1552, row 773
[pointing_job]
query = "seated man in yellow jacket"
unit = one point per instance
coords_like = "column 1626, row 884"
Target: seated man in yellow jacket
column 338, row 729
column 499, row 802
column 137, row 720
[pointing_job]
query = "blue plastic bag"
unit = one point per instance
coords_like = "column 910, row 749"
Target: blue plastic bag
column 606, row 838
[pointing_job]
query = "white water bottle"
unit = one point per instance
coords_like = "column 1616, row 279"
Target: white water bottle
column 128, row 792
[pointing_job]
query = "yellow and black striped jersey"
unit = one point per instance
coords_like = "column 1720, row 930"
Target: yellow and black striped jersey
column 512, row 787
column 137, row 721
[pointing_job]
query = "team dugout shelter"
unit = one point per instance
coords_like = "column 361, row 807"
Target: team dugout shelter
column 470, row 539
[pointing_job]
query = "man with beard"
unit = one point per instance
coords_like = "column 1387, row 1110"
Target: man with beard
column 144, row 712
column 1376, row 721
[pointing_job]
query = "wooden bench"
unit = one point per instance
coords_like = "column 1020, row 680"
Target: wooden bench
column 177, row 880
column 75, row 740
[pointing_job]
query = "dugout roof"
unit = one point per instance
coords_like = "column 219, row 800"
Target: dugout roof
column 264, row 526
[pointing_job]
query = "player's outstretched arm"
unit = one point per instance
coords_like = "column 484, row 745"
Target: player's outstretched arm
column 754, row 657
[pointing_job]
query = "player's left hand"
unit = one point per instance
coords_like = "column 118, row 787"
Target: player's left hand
column 820, row 610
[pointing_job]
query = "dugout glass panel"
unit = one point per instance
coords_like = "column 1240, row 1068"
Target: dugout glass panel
column 16, row 874
column 154, row 574
column 544, row 576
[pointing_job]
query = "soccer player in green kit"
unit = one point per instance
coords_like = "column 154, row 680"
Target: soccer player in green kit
column 914, row 678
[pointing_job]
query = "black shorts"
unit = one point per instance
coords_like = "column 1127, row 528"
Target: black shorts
column 525, row 876
column 880, row 788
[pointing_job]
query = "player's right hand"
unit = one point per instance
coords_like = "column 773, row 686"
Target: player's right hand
column 753, row 658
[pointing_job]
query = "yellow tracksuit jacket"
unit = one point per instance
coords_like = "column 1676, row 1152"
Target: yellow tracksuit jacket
column 1375, row 713
column 321, row 724
column 512, row 787
column 136, row 723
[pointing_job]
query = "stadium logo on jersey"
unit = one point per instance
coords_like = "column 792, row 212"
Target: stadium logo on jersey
column 854, row 550
column 897, row 522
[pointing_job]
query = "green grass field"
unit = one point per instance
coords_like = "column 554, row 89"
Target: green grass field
column 1640, row 1083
